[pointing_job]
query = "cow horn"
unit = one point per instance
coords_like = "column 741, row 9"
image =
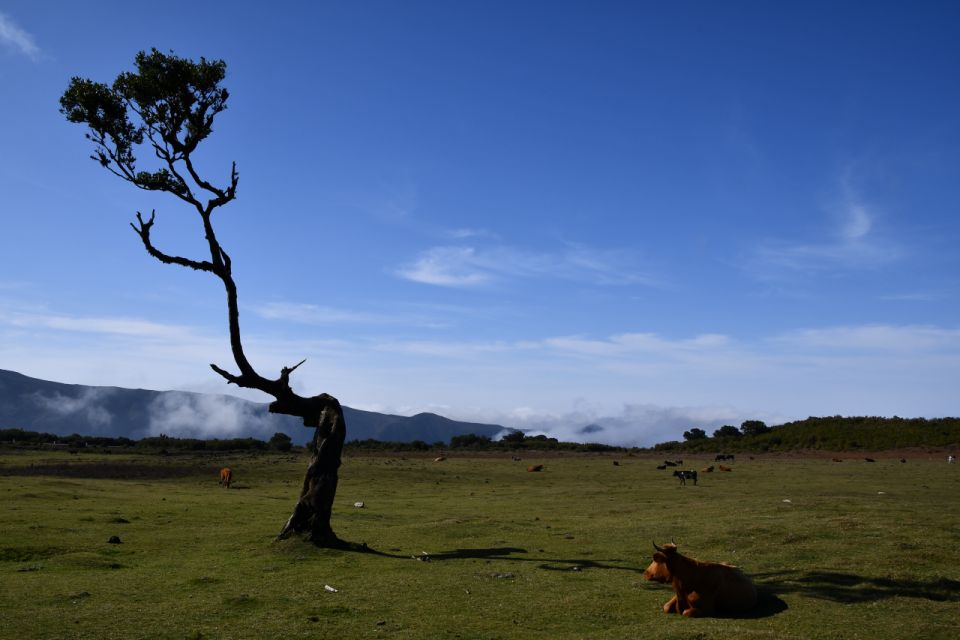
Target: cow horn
column 656, row 547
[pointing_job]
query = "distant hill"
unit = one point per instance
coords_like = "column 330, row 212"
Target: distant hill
column 62, row 409
column 835, row 433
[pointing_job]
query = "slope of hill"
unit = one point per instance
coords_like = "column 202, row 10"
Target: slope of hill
column 63, row 409
column 835, row 433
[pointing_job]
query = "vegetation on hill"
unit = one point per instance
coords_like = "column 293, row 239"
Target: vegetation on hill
column 829, row 433
column 834, row 433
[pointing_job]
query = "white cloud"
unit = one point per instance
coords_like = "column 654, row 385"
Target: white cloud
column 447, row 267
column 853, row 244
column 12, row 36
column 467, row 266
column 876, row 339
column 86, row 405
column 317, row 315
column 190, row 415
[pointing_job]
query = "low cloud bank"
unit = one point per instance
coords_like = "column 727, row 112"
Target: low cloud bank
column 637, row 425
column 87, row 406
column 192, row 415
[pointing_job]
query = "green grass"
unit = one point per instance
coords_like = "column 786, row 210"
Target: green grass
column 860, row 550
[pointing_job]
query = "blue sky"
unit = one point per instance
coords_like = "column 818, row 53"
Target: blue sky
column 651, row 216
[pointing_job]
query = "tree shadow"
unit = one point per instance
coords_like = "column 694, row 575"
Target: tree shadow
column 514, row 554
column 848, row 588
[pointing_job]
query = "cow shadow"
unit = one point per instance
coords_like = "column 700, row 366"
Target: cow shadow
column 848, row 588
column 768, row 604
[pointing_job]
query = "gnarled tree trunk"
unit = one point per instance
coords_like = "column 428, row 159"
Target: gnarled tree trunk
column 315, row 506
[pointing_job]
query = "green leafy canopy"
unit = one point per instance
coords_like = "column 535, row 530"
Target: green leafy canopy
column 168, row 101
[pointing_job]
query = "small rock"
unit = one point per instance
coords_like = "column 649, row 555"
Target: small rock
column 330, row 589
column 380, row 623
column 358, row 505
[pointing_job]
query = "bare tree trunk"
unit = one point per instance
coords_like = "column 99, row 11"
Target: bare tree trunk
column 314, row 508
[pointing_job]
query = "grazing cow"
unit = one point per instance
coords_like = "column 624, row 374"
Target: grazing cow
column 226, row 477
column 723, row 468
column 661, row 467
column 837, row 460
column 685, row 475
column 707, row 469
column 535, row 468
column 700, row 588
column 669, row 463
column 724, row 456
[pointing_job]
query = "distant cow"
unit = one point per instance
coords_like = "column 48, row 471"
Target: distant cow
column 903, row 460
column 707, row 469
column 724, row 456
column 534, row 468
column 951, row 459
column 723, row 468
column 669, row 463
column 226, row 477
column 700, row 588
column 440, row 458
column 869, row 460
column 616, row 463
column 837, row 460
column 661, row 467
column 688, row 474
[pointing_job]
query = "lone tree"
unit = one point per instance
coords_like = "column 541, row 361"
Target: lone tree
column 167, row 107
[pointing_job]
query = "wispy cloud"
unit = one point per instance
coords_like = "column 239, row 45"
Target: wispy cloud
column 469, row 266
column 120, row 326
column 853, row 243
column 464, row 234
column 876, row 339
column 312, row 314
column 12, row 36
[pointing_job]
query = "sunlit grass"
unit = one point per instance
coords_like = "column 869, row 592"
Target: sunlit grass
column 859, row 551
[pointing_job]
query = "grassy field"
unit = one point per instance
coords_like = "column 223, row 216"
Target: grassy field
column 840, row 550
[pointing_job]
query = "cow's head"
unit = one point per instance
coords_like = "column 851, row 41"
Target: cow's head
column 659, row 569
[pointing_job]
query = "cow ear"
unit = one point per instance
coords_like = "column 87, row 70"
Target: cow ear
column 659, row 557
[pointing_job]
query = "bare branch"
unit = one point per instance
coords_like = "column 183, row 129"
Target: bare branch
column 143, row 230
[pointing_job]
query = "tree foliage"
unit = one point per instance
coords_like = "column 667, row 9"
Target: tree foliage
column 694, row 434
column 727, row 431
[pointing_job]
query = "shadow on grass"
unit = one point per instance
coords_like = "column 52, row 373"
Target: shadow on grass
column 848, row 588
column 516, row 554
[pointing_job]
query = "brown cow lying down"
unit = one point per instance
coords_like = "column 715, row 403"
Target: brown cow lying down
column 700, row 588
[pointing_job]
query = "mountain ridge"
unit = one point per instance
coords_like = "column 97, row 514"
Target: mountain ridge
column 63, row 408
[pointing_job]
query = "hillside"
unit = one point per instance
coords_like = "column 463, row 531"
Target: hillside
column 62, row 409
column 835, row 433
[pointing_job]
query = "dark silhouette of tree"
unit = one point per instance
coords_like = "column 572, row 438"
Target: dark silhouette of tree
column 727, row 431
column 280, row 442
column 695, row 434
column 166, row 107
column 753, row 427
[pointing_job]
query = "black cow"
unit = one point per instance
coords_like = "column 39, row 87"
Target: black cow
column 684, row 475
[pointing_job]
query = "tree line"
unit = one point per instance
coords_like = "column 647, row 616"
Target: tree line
column 832, row 433
column 76, row 442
